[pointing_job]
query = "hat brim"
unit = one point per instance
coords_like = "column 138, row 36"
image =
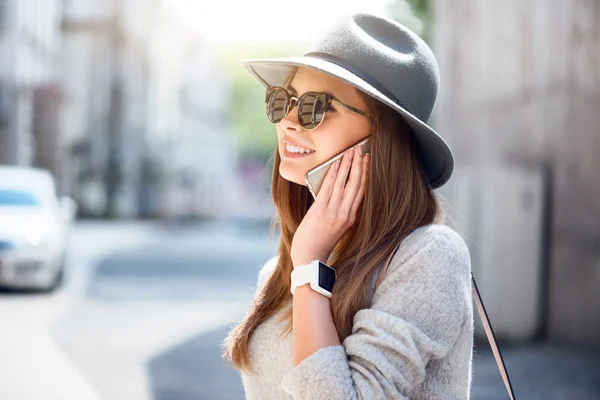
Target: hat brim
column 436, row 156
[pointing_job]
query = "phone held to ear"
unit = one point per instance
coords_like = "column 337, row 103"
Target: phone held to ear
column 314, row 178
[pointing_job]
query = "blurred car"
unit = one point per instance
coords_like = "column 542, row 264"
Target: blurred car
column 34, row 229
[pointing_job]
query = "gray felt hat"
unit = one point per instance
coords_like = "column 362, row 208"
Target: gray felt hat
column 385, row 60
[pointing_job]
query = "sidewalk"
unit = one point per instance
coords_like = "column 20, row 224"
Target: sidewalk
column 32, row 365
column 545, row 371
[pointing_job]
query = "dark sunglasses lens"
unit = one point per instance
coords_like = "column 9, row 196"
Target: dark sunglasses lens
column 311, row 110
column 277, row 104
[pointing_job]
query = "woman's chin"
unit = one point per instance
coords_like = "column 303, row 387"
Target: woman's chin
column 292, row 176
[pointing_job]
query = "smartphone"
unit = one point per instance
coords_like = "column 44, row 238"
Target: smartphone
column 314, row 177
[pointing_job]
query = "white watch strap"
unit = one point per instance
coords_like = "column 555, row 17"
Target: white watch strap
column 302, row 274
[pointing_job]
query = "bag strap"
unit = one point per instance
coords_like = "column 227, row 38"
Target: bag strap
column 489, row 332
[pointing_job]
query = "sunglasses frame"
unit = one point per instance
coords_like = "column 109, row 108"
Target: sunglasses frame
column 292, row 101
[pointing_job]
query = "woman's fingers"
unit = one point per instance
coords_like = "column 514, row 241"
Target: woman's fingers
column 340, row 197
column 353, row 185
column 363, row 184
column 327, row 185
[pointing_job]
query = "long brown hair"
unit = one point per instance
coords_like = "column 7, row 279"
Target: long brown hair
column 397, row 200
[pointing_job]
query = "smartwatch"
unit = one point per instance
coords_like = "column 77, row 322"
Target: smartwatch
column 319, row 275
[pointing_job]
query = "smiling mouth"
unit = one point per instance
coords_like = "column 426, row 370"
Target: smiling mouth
column 291, row 148
column 295, row 147
column 290, row 154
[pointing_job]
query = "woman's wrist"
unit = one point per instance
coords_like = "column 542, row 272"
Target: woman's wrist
column 307, row 259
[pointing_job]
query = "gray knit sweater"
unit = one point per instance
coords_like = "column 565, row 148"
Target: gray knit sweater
column 415, row 341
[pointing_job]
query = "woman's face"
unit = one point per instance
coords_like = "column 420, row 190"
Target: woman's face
column 339, row 130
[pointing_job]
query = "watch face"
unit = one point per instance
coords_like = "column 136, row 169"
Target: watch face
column 326, row 277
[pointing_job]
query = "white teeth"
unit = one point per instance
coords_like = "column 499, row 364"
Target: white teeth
column 295, row 149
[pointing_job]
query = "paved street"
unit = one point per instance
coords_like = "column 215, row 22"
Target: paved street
column 135, row 295
column 145, row 309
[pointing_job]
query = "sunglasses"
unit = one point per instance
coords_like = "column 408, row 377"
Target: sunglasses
column 312, row 106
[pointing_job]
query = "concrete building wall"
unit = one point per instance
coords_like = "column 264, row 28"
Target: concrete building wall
column 521, row 92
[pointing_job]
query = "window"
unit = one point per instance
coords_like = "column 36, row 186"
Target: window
column 9, row 197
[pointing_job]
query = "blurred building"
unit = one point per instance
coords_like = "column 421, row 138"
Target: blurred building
column 88, row 65
column 204, row 147
column 519, row 106
column 188, row 121
column 30, row 95
column 105, row 78
column 136, row 118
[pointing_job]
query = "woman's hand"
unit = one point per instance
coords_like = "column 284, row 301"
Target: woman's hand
column 334, row 210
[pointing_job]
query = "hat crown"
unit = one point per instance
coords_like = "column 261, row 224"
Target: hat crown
column 387, row 55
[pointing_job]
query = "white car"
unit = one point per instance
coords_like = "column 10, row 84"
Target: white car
column 34, row 229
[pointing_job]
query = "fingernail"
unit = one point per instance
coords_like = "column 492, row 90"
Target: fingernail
column 351, row 153
column 360, row 150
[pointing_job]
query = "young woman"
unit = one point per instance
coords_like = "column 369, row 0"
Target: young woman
column 397, row 321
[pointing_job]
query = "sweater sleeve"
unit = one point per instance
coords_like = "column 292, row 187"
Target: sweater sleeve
column 265, row 272
column 416, row 315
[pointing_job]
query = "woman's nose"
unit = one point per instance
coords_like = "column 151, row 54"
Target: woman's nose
column 290, row 121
